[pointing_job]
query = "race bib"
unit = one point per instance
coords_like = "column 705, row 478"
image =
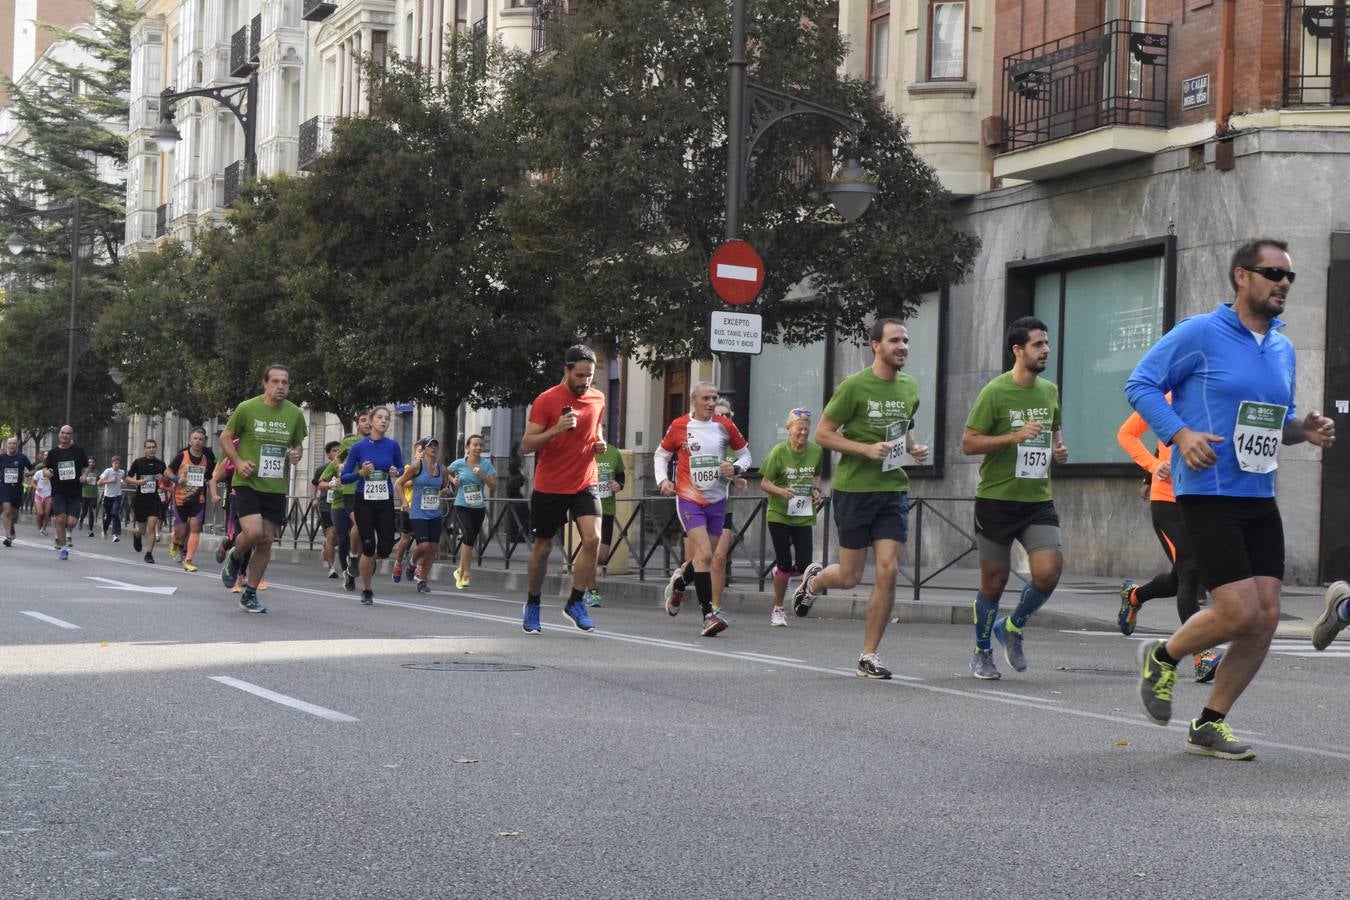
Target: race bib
column 704, row 471
column 65, row 470
column 196, row 476
column 148, row 486
column 473, row 496
column 799, row 504
column 606, row 475
column 331, row 492
column 271, row 461
column 11, row 476
column 376, row 487
column 1033, row 457
column 898, row 457
column 431, row 499
column 1257, row 434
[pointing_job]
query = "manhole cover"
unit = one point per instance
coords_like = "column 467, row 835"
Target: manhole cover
column 453, row 666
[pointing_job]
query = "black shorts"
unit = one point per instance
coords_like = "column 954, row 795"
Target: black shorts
column 65, row 506
column 469, row 519
column 862, row 517
column 425, row 531
column 325, row 517
column 11, row 495
column 549, row 512
column 1000, row 522
column 404, row 522
column 145, row 506
column 375, row 523
column 1235, row 538
column 193, row 508
column 606, row 529
column 791, row 547
column 248, row 502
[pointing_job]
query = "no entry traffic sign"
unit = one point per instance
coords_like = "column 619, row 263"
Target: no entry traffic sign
column 737, row 272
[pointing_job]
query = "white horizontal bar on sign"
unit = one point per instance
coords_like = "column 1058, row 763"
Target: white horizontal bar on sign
column 737, row 273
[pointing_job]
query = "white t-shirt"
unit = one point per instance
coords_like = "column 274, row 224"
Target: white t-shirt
column 42, row 485
column 113, row 488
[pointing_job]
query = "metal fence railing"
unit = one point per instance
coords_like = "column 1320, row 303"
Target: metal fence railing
column 1316, row 61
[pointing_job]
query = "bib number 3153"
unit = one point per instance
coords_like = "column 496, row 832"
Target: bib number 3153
column 271, row 461
column 1257, row 434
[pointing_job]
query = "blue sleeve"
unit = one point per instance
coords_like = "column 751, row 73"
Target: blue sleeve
column 488, row 467
column 349, row 468
column 1166, row 362
column 1292, row 415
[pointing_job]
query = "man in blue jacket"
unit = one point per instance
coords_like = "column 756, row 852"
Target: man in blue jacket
column 1232, row 375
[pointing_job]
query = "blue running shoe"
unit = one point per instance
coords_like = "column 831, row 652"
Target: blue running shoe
column 576, row 611
column 229, row 572
column 529, row 618
column 64, row 554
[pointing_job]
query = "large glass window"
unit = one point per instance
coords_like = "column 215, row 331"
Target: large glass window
column 923, row 362
column 947, row 41
column 1101, row 319
column 782, row 378
column 878, row 43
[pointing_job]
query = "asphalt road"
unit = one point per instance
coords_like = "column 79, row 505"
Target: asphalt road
column 143, row 756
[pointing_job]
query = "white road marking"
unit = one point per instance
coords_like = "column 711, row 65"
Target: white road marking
column 285, row 700
column 1020, row 696
column 50, row 620
column 767, row 656
column 124, row 586
column 737, row 273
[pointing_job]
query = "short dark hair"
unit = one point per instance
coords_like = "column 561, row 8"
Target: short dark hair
column 878, row 328
column 1249, row 254
column 1019, row 332
column 471, row 437
column 578, row 353
column 267, row 373
column 331, row 446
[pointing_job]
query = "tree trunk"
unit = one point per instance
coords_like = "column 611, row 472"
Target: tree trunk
column 450, row 429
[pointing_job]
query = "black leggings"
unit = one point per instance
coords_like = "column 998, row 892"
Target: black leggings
column 786, row 540
column 375, row 522
column 1183, row 582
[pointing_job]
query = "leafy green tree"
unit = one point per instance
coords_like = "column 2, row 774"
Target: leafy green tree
column 625, row 117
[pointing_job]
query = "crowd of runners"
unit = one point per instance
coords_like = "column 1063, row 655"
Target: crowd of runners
column 1217, row 391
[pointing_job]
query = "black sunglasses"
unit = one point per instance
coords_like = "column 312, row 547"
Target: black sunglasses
column 1271, row 273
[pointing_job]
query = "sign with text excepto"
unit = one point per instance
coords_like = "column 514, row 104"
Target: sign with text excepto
column 1195, row 92
column 736, row 332
column 736, row 272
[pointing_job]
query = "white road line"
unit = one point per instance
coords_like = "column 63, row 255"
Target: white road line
column 1020, row 696
column 50, row 620
column 767, row 656
column 284, row 700
column 899, row 680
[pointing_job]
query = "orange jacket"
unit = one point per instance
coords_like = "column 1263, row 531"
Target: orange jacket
column 1128, row 438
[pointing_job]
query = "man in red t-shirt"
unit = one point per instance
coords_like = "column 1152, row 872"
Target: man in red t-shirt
column 564, row 434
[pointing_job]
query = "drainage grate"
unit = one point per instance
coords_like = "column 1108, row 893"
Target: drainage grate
column 468, row 667
column 1090, row 671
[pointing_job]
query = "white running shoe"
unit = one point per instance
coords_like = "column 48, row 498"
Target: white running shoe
column 777, row 618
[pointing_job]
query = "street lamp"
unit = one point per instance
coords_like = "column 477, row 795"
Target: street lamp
column 754, row 109
column 17, row 245
column 240, row 98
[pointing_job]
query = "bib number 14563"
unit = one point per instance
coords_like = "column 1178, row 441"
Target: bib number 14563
column 1257, row 434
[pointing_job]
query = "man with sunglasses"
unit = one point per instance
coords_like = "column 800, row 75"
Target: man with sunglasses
column 869, row 421
column 1232, row 375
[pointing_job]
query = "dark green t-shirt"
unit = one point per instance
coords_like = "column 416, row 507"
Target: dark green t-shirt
column 266, row 434
column 1020, row 472
column 609, row 465
column 796, row 472
column 869, row 410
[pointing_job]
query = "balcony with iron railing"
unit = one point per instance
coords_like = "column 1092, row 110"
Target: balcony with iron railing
column 255, row 39
column 1109, row 82
column 316, row 138
column 241, row 64
column 1316, row 54
column 162, row 220
column 547, row 15
column 230, row 188
column 317, row 10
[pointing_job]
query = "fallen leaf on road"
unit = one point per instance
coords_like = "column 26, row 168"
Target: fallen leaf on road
column 508, row 834
column 465, row 759
column 1122, row 743
column 103, row 643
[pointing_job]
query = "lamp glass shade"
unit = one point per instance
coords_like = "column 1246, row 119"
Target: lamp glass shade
column 166, row 136
column 852, row 190
column 16, row 244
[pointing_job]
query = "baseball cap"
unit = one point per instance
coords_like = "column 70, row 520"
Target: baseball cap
column 428, row 441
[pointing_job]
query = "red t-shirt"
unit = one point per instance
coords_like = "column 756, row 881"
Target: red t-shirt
column 566, row 464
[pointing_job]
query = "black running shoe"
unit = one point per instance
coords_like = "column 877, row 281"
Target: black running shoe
column 136, row 542
column 150, row 557
column 248, row 601
column 802, row 598
column 367, row 598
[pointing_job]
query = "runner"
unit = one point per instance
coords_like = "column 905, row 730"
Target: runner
column 1183, row 581
column 42, row 499
column 14, row 467
column 188, row 474
column 271, row 432
column 722, row 549
column 323, row 492
column 372, row 465
column 144, row 476
column 1231, row 374
column 699, row 441
column 111, row 482
column 611, row 476
column 473, row 475
column 88, row 495
column 564, row 433
column 222, row 492
column 403, row 499
column 428, row 480
column 1015, row 425
column 870, row 421
column 330, row 483
column 63, row 465
column 349, row 561
column 790, row 475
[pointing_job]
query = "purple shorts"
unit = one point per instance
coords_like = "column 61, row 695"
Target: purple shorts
column 712, row 517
